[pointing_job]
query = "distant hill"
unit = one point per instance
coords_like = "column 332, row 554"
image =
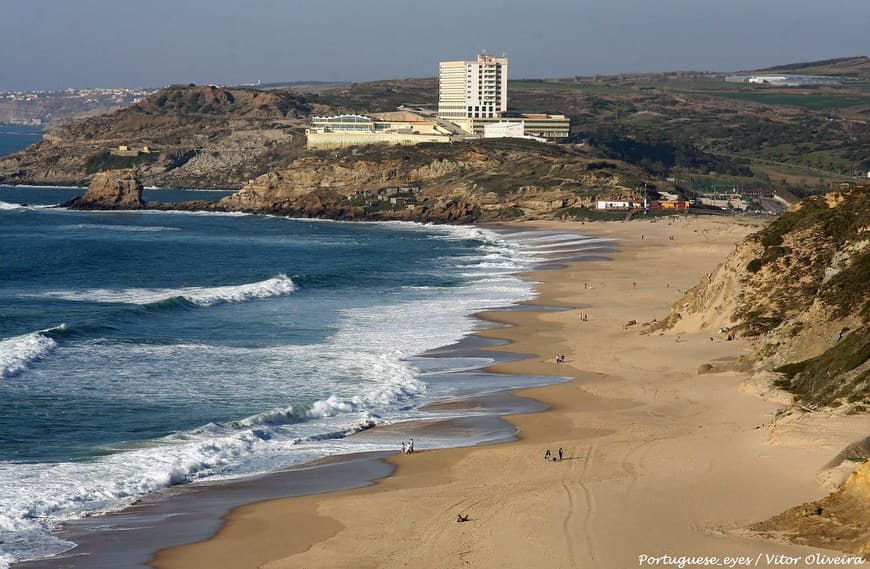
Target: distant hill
column 297, row 86
column 849, row 66
column 198, row 136
column 694, row 128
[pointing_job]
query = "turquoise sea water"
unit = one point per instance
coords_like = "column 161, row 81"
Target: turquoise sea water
column 140, row 350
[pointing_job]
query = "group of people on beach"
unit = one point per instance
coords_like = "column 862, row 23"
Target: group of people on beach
column 408, row 447
column 560, row 358
column 550, row 456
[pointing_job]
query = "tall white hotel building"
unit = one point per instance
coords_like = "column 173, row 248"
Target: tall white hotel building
column 472, row 89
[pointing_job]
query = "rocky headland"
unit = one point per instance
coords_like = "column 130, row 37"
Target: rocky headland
column 182, row 136
column 462, row 182
column 484, row 180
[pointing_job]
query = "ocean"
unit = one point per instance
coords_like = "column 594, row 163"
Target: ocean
column 18, row 137
column 143, row 350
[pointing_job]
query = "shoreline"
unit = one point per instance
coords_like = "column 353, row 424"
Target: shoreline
column 189, row 513
column 98, row 538
column 613, row 423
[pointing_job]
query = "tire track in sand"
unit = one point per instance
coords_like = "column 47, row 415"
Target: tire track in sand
column 588, row 515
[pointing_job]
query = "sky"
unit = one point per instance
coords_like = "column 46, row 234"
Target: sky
column 55, row 44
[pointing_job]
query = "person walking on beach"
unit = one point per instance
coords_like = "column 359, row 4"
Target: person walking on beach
column 547, row 455
column 404, row 448
column 561, row 452
column 411, row 446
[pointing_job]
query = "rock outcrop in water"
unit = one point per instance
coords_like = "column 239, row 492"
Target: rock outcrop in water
column 486, row 180
column 113, row 189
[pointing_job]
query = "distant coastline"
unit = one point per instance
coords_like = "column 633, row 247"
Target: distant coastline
column 14, row 138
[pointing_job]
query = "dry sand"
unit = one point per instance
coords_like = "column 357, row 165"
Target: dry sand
column 659, row 460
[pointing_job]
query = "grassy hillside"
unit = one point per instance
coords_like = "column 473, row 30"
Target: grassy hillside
column 695, row 128
column 199, row 136
column 848, row 66
column 799, row 288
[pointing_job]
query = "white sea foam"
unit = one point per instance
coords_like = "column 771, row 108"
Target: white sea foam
column 543, row 247
column 18, row 352
column 10, row 206
column 124, row 228
column 195, row 213
column 279, row 285
column 392, row 382
column 6, row 560
column 372, row 344
column 44, row 187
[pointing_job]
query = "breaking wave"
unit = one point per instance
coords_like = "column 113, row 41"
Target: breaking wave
column 18, row 352
column 279, row 285
column 10, row 206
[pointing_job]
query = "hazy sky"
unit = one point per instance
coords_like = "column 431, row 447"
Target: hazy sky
column 49, row 44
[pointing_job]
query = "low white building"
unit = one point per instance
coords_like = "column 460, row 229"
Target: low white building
column 611, row 204
column 504, row 129
column 761, row 79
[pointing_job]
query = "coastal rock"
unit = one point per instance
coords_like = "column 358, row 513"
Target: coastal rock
column 113, row 189
column 839, row 521
column 485, row 180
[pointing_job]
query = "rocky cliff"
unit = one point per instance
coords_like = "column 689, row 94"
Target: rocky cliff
column 801, row 289
column 196, row 136
column 483, row 180
column 114, row 189
column 462, row 182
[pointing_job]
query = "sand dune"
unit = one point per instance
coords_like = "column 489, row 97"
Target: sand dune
column 659, row 460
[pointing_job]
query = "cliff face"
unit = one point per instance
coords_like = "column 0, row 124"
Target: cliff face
column 801, row 288
column 115, row 189
column 198, row 136
column 464, row 182
column 438, row 183
column 840, row 521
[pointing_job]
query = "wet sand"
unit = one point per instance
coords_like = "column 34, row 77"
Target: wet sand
column 658, row 459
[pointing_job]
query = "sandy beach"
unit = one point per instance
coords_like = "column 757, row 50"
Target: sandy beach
column 659, row 460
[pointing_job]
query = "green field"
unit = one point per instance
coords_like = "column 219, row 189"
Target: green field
column 813, row 101
column 532, row 84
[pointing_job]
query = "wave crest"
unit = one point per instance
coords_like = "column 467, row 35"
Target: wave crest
column 279, row 285
column 18, row 352
column 276, row 286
